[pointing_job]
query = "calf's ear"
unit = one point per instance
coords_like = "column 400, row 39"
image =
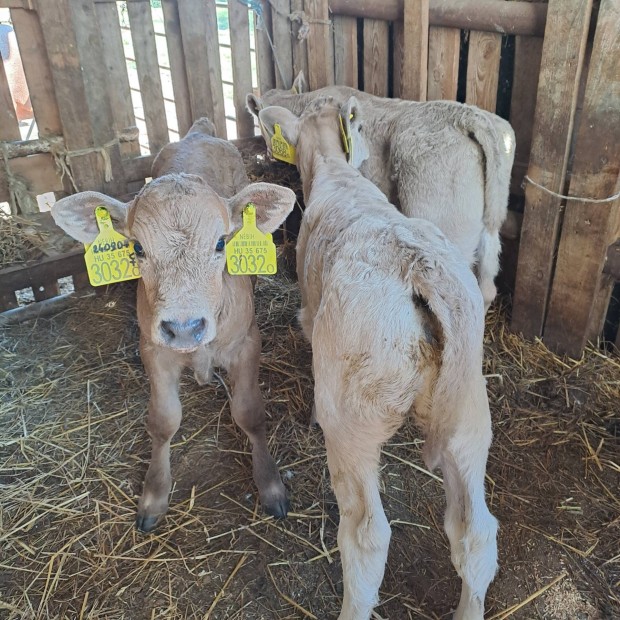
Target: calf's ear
column 299, row 84
column 275, row 115
column 252, row 103
column 76, row 215
column 352, row 116
column 273, row 203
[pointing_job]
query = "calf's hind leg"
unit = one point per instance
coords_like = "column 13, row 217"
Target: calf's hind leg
column 248, row 411
column 164, row 418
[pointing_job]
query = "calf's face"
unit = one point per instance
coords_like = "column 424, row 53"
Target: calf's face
column 180, row 227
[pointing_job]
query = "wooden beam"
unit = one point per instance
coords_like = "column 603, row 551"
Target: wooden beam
column 588, row 229
column 281, row 27
column 264, row 56
column 515, row 17
column 564, row 45
column 300, row 47
column 376, row 57
column 215, row 69
column 398, row 51
column 345, row 50
column 241, row 66
column 415, row 50
column 485, row 50
column 320, row 54
column 444, row 45
column 38, row 172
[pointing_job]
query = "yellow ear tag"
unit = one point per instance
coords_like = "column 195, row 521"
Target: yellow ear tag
column 347, row 140
column 110, row 257
column 251, row 252
column 280, row 148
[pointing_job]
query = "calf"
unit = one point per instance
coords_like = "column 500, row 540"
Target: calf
column 443, row 161
column 396, row 321
column 191, row 312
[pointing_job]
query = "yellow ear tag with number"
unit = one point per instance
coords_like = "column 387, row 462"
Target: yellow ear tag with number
column 110, row 257
column 251, row 252
column 280, row 148
column 347, row 140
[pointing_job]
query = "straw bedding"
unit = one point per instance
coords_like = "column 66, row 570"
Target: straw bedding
column 74, row 451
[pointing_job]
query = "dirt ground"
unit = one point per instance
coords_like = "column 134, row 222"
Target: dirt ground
column 73, row 453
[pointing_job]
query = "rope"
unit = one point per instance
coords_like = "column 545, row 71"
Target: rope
column 576, row 198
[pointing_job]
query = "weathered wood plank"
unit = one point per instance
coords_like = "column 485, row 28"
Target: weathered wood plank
column 415, row 51
column 147, row 65
column 562, row 60
column 215, row 69
column 264, row 57
column 588, row 229
column 376, row 57
column 486, row 15
column 398, row 45
column 241, row 66
column 37, row 70
column 528, row 53
column 8, row 301
column 39, row 174
column 485, row 50
column 9, row 127
column 282, row 41
column 300, row 47
column 116, row 65
column 320, row 53
column 178, row 70
column 345, row 50
column 444, row 46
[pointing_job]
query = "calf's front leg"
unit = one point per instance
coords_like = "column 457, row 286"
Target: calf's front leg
column 163, row 368
column 248, row 411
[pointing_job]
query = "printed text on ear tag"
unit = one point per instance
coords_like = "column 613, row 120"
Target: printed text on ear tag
column 251, row 252
column 280, row 148
column 110, row 257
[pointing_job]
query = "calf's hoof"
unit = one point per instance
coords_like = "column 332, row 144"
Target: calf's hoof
column 147, row 523
column 274, row 499
column 278, row 508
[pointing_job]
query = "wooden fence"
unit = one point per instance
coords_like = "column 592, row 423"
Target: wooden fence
column 112, row 82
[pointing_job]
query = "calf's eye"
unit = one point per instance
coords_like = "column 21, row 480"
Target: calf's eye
column 138, row 249
column 220, row 245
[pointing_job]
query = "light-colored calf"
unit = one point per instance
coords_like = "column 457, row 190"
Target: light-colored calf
column 191, row 312
column 443, row 161
column 396, row 322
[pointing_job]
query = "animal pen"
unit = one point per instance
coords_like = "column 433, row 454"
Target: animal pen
column 112, row 82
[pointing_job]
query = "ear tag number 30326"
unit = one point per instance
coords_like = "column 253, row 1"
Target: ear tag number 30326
column 251, row 252
column 110, row 257
column 280, row 148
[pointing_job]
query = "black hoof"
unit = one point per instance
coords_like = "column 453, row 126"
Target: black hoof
column 146, row 524
column 279, row 508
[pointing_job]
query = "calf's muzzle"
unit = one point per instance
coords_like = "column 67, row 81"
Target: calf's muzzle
column 186, row 335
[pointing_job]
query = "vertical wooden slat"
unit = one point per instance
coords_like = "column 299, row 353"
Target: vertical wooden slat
column 178, row 70
column 264, row 57
column 147, row 65
column 444, row 46
column 345, row 50
column 528, row 53
column 376, row 57
column 320, row 53
column 588, row 228
column 37, row 69
column 215, row 69
column 192, row 18
column 9, row 127
column 116, row 65
column 242, row 74
column 485, row 50
column 562, row 60
column 415, row 51
column 300, row 47
column 399, row 43
column 280, row 10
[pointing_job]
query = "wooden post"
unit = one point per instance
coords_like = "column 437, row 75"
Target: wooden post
column 215, row 69
column 415, row 50
column 264, row 57
column 281, row 26
column 398, row 51
column 444, row 45
column 483, row 69
column 589, row 228
column 376, row 57
column 345, row 51
column 241, row 67
column 562, row 60
column 320, row 53
column 300, row 47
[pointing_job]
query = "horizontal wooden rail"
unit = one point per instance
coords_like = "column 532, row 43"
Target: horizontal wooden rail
column 522, row 18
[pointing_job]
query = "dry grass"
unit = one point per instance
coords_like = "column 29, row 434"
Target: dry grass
column 73, row 452
column 16, row 245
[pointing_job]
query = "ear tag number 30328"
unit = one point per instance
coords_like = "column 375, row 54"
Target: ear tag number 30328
column 110, row 257
column 251, row 252
column 280, row 148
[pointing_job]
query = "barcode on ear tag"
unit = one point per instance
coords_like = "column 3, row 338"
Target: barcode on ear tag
column 280, row 148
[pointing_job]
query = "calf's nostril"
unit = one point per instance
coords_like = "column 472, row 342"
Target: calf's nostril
column 174, row 330
column 167, row 327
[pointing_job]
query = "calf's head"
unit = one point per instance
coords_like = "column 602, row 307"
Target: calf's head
column 180, row 227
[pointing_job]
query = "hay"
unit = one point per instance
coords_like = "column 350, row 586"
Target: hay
column 74, row 451
column 16, row 244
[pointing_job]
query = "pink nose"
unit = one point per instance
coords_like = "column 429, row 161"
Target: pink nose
column 183, row 335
